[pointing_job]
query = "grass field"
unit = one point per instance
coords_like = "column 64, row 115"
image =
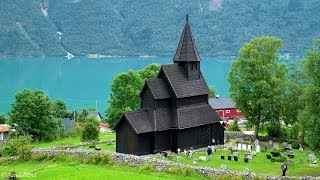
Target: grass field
column 259, row 164
column 71, row 140
column 73, row 170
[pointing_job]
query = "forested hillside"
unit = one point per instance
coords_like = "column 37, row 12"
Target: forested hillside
column 139, row 27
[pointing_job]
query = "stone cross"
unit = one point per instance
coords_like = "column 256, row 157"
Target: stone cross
column 223, row 167
column 178, row 150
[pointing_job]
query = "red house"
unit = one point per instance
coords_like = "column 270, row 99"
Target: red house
column 225, row 107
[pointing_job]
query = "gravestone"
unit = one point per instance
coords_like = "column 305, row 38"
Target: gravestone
column 290, row 162
column 202, row 158
column 258, row 148
column 284, row 144
column 213, row 148
column 290, row 146
column 246, row 171
column 270, row 143
column 301, row 148
column 256, row 142
column 276, row 146
column 244, row 147
column 194, row 161
column 236, row 154
column 301, row 161
column 178, row 159
column 248, row 155
column 291, row 154
column 178, row 150
column 230, row 145
column 239, row 146
column 185, row 152
column 223, row 167
column 311, row 157
column 254, row 153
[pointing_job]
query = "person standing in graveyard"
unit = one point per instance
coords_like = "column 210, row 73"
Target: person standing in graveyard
column 284, row 168
column 209, row 151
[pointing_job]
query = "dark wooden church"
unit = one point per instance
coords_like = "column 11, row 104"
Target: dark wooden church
column 175, row 112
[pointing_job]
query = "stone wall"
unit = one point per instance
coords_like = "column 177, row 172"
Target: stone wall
column 251, row 137
column 161, row 165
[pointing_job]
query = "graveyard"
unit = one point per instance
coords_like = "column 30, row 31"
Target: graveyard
column 268, row 161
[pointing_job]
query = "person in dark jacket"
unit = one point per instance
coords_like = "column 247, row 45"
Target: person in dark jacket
column 284, row 168
column 209, row 151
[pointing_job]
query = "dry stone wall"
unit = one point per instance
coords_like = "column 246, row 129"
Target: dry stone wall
column 161, row 165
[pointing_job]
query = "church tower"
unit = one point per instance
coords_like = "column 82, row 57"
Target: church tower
column 187, row 54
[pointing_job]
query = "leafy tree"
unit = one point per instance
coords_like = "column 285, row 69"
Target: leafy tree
column 212, row 92
column 90, row 130
column 149, row 72
column 234, row 126
column 296, row 84
column 310, row 116
column 2, row 119
column 17, row 146
column 59, row 109
column 33, row 114
column 257, row 81
column 125, row 89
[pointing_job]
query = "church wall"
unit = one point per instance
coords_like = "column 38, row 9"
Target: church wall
column 147, row 100
column 192, row 100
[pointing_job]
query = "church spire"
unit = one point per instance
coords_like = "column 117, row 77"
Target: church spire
column 187, row 50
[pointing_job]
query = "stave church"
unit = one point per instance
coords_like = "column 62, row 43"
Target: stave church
column 174, row 112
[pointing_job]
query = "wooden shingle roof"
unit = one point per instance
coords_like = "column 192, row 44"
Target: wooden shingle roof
column 180, row 84
column 140, row 120
column 159, row 87
column 187, row 50
column 196, row 115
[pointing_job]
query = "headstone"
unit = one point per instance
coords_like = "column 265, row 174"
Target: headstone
column 230, row 145
column 223, row 167
column 244, row 147
column 301, row 161
column 276, row 146
column 178, row 150
column 213, row 148
column 190, row 154
column 250, row 148
column 254, row 153
column 270, row 143
column 256, row 142
column 194, row 161
column 248, row 155
column 236, row 154
column 239, row 146
column 311, row 157
column 178, row 159
column 290, row 162
column 285, row 144
column 289, row 146
column 258, row 148
column 185, row 152
column 301, row 148
column 246, row 171
column 213, row 141
column 202, row 158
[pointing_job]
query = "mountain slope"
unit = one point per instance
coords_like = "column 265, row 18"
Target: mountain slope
column 220, row 27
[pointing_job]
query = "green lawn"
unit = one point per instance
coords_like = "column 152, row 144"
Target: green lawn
column 259, row 164
column 71, row 140
column 73, row 170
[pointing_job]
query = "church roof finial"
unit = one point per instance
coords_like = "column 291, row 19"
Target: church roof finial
column 187, row 18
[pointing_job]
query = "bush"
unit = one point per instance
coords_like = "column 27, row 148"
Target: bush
column 96, row 159
column 90, row 131
column 17, row 146
column 294, row 133
column 274, row 131
column 234, row 126
column 295, row 145
column 268, row 156
column 281, row 159
column 40, row 157
column 275, row 153
column 147, row 167
column 92, row 146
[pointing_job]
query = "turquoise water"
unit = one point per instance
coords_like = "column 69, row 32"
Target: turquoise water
column 82, row 82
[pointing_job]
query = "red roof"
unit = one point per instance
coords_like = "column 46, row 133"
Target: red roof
column 104, row 125
column 4, row 128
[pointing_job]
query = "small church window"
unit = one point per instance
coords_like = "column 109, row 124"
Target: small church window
column 196, row 66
